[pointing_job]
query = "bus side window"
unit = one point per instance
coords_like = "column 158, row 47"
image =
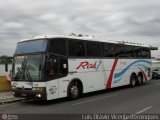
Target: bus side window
column 93, row 49
column 108, row 50
column 51, row 68
column 58, row 46
column 76, row 48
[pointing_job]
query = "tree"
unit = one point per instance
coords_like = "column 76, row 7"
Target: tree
column 5, row 59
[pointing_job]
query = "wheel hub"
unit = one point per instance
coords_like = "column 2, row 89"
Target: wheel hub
column 74, row 91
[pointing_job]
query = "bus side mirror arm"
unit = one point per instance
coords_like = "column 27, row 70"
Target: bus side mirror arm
column 6, row 67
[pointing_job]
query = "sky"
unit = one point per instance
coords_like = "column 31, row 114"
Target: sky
column 127, row 20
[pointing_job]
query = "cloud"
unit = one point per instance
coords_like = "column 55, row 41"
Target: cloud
column 13, row 25
column 114, row 19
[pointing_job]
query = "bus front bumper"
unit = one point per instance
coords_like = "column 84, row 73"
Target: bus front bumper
column 29, row 94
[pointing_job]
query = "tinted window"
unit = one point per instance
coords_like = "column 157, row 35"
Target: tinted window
column 138, row 52
column 76, row 48
column 113, row 50
column 108, row 50
column 130, row 51
column 142, row 52
column 93, row 49
column 58, row 46
column 146, row 53
column 119, row 49
column 56, row 67
column 51, row 69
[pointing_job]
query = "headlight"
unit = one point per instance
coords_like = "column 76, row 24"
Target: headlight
column 13, row 87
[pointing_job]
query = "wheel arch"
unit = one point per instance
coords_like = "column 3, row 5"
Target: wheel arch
column 140, row 74
column 79, row 83
column 133, row 74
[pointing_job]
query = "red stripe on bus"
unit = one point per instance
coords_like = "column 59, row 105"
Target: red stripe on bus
column 109, row 82
column 145, row 76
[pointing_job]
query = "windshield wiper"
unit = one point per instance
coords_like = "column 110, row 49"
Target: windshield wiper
column 26, row 71
column 18, row 73
column 28, row 74
column 23, row 71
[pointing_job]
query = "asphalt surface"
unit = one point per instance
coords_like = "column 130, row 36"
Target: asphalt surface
column 139, row 100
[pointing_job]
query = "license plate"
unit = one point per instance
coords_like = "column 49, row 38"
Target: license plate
column 24, row 94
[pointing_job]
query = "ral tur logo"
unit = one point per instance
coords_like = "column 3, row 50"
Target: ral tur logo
column 88, row 65
column 4, row 116
column 9, row 117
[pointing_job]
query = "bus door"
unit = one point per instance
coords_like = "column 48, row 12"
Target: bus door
column 63, row 72
column 56, row 69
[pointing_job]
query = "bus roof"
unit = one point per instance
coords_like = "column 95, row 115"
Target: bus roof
column 89, row 38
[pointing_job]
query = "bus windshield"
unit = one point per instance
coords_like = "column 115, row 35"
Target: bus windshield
column 31, row 46
column 28, row 68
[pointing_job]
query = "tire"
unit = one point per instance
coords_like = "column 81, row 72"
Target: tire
column 74, row 91
column 133, row 80
column 140, row 80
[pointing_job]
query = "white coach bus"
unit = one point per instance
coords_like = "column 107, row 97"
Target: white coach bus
column 52, row 67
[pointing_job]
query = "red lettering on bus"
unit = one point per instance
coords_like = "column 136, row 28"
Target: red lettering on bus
column 83, row 65
column 86, row 65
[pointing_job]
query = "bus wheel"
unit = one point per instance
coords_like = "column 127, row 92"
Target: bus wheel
column 133, row 80
column 140, row 79
column 73, row 91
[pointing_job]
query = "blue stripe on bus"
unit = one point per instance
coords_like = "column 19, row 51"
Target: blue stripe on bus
column 141, row 65
column 118, row 80
column 124, row 70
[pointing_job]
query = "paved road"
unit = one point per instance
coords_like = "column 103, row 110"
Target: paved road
column 139, row 100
